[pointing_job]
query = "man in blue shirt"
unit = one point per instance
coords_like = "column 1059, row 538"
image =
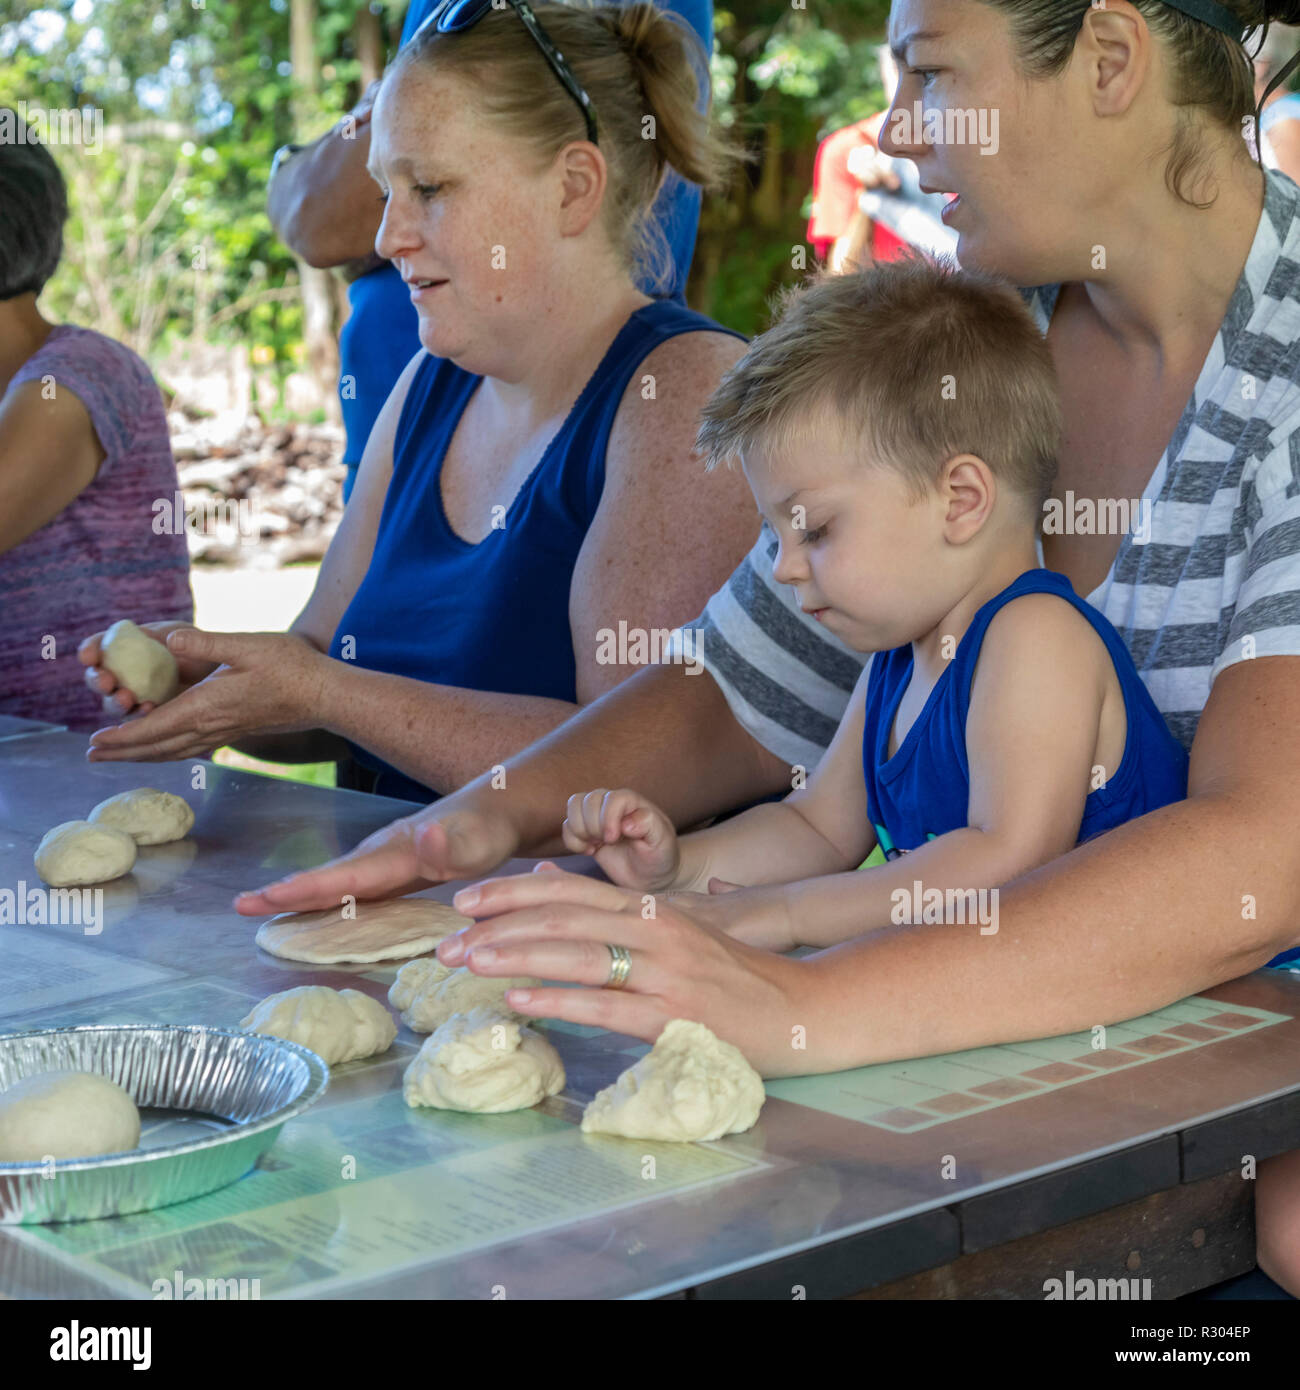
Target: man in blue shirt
column 324, row 205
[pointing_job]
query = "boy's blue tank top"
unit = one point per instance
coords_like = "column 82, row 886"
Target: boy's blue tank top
column 924, row 790
column 491, row 616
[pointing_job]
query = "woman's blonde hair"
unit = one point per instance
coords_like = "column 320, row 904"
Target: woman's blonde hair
column 1210, row 70
column 645, row 71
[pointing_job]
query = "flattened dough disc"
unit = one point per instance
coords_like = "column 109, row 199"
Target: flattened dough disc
column 390, row 930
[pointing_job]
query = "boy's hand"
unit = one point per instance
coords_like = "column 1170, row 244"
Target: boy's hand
column 631, row 839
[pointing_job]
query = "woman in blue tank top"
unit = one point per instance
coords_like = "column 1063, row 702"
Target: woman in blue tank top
column 530, row 519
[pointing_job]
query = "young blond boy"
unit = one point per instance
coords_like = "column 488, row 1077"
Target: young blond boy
column 899, row 432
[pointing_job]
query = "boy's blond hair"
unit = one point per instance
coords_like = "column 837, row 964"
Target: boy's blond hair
column 918, row 362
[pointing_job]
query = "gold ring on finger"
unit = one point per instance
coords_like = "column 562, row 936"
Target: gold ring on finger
column 620, row 967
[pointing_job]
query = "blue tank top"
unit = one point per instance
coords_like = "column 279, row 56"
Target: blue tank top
column 924, row 789
column 491, row 616
column 1285, row 108
column 382, row 333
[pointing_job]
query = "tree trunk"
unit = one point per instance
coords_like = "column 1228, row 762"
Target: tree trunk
column 368, row 36
column 767, row 201
column 319, row 308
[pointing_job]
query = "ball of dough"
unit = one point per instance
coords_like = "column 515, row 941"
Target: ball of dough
column 484, row 1062
column 689, row 1086
column 414, row 980
column 70, row 1114
column 148, row 816
column 437, row 999
column 338, row 1025
column 145, row 667
column 77, row 852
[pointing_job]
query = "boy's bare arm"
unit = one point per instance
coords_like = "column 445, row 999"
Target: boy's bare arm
column 1031, row 733
column 818, row 829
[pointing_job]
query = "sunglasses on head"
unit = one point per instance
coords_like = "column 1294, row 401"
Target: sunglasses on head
column 455, row 16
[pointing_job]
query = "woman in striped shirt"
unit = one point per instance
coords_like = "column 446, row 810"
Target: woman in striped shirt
column 1122, row 183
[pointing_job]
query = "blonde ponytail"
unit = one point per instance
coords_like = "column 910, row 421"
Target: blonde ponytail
column 673, row 74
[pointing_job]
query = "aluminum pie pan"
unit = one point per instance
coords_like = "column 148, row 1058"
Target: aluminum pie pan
column 250, row 1082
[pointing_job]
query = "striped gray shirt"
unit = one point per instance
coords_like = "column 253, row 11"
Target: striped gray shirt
column 1207, row 575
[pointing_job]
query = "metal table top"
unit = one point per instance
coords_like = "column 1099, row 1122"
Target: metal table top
column 363, row 1197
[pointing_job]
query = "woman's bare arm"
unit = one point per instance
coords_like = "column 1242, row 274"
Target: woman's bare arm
column 665, row 536
column 715, row 766
column 1199, row 892
column 49, row 455
column 1188, row 897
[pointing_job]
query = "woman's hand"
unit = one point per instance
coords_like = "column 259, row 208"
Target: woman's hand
column 118, row 700
column 629, row 837
column 260, row 682
column 560, row 926
column 758, row 917
column 412, row 853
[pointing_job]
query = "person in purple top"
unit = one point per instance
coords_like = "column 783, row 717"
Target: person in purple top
column 84, row 458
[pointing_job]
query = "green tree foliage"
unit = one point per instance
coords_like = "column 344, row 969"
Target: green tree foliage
column 786, row 73
column 169, row 237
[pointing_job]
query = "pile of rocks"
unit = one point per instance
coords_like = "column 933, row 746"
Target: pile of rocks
column 256, row 495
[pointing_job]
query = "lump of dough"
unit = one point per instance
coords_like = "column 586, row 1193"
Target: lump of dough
column 392, row 929
column 145, row 667
column 70, row 1114
column 689, row 1086
column 433, row 998
column 77, row 852
column 148, row 816
column 484, row 1062
column 338, row 1025
column 416, row 979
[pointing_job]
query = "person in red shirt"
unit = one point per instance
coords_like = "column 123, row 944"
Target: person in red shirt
column 848, row 164
column 867, row 207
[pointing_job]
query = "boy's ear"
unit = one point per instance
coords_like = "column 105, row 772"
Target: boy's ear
column 970, row 491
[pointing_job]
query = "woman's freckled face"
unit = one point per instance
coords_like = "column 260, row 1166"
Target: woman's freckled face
column 462, row 207
column 852, row 541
